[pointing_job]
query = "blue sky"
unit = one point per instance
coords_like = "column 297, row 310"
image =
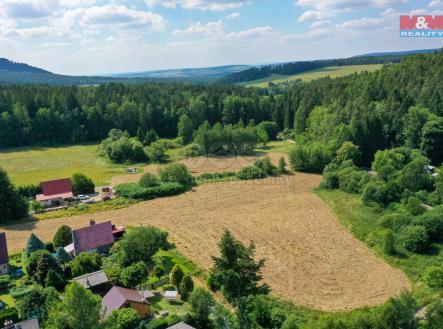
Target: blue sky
column 109, row 36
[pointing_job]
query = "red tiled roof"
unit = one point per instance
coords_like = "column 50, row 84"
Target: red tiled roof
column 92, row 237
column 56, row 187
column 118, row 296
column 3, row 249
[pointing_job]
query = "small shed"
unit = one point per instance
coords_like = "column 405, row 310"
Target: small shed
column 171, row 295
column 97, row 281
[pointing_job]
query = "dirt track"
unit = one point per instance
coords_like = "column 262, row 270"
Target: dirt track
column 310, row 258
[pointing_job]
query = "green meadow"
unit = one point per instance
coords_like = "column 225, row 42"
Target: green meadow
column 330, row 71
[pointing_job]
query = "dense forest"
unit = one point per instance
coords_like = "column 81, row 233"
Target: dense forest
column 399, row 105
column 292, row 68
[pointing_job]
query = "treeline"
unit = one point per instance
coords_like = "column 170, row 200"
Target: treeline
column 48, row 114
column 304, row 66
column 399, row 105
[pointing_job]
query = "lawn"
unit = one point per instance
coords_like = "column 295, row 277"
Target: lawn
column 31, row 165
column 331, row 71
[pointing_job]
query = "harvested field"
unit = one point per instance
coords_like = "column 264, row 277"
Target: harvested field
column 310, row 258
column 202, row 164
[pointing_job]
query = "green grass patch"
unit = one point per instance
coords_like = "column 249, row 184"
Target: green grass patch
column 330, row 71
column 277, row 147
column 168, row 258
column 31, row 165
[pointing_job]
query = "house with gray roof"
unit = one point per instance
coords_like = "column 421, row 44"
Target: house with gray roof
column 4, row 258
column 181, row 325
column 96, row 281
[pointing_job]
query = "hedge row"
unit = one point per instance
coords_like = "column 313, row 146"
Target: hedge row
column 135, row 191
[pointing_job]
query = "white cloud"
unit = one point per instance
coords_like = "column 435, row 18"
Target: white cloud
column 346, row 4
column 260, row 31
column 315, row 15
column 362, row 23
column 321, row 24
column 209, row 29
column 219, row 5
column 232, row 16
column 435, row 4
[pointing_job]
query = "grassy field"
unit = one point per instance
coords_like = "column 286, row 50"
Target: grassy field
column 331, row 71
column 31, row 165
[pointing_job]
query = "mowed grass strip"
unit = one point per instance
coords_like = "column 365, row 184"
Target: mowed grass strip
column 329, row 71
column 31, row 165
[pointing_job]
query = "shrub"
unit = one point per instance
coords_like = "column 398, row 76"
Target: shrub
column 216, row 175
column 158, row 271
column 34, row 244
column 156, row 153
column 85, row 263
column 54, row 279
column 124, row 318
column 413, row 205
column 348, row 151
column 414, row 238
column 330, row 181
column 389, row 243
column 5, row 281
column 9, row 314
column 29, row 191
column 191, row 150
column 177, row 173
column 395, row 221
column 49, row 246
column 433, row 277
column 40, row 263
column 133, row 275
column 376, row 192
column 82, row 184
column 176, row 276
column 292, row 322
column 251, row 172
column 62, row 237
column 148, row 180
column 282, row 165
column 433, row 222
column 135, row 191
column 310, row 158
column 266, row 165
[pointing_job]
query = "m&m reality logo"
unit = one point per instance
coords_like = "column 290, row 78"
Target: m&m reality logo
column 421, row 26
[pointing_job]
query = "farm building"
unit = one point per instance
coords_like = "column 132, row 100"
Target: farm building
column 181, row 325
column 119, row 297
column 55, row 192
column 4, row 258
column 95, row 237
column 27, row 324
column 97, row 281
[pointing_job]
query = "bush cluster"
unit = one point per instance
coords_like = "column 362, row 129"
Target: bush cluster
column 136, row 191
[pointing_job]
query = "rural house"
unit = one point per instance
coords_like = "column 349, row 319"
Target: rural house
column 181, row 325
column 119, row 297
column 55, row 192
column 95, row 237
column 97, row 281
column 4, row 258
column 27, row 324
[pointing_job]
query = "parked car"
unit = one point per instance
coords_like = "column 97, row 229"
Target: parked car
column 82, row 197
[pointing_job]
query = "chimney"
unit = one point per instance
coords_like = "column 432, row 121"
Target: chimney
column 92, row 222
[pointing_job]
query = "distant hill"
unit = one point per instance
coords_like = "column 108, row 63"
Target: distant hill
column 292, row 68
column 10, row 66
column 402, row 53
column 194, row 74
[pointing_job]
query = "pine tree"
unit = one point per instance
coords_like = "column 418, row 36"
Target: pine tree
column 186, row 287
column 185, row 128
column 34, row 244
column 62, row 256
column 176, row 276
column 53, row 279
column 12, row 205
column 63, row 236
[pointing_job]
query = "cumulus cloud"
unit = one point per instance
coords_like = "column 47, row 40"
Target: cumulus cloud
column 232, row 16
column 435, row 4
column 346, row 4
column 219, row 5
column 260, row 31
column 208, row 29
column 314, row 14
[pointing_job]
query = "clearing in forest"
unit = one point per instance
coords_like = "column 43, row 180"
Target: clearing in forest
column 310, row 258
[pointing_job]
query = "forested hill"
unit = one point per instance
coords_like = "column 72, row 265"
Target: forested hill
column 8, row 66
column 397, row 105
column 256, row 73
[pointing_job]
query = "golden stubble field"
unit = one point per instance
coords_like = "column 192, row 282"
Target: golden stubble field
column 310, row 258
